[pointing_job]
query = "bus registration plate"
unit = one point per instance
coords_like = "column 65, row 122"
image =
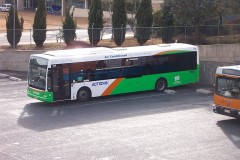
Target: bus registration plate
column 226, row 110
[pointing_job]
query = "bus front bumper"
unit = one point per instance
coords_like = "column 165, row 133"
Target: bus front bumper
column 40, row 95
column 226, row 111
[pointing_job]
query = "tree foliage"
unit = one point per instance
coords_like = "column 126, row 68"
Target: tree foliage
column 95, row 22
column 197, row 12
column 10, row 27
column 167, row 23
column 40, row 24
column 157, row 20
column 119, row 20
column 193, row 13
column 144, row 19
column 69, row 28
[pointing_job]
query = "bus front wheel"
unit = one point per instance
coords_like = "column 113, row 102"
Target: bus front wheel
column 84, row 95
column 160, row 85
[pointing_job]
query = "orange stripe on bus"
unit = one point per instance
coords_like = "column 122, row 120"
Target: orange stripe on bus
column 109, row 90
column 160, row 53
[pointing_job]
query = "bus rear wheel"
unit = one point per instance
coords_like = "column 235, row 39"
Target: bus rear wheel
column 161, row 85
column 84, row 95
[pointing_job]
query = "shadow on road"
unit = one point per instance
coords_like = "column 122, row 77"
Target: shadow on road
column 231, row 128
column 48, row 116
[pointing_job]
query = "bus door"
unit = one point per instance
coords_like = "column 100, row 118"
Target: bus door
column 61, row 82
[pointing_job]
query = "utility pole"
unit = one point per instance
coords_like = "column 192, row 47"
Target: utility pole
column 92, row 34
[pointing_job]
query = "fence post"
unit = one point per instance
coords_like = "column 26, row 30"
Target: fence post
column 30, row 35
column 186, row 33
column 14, row 24
column 121, row 34
column 60, row 36
column 152, row 28
column 92, row 34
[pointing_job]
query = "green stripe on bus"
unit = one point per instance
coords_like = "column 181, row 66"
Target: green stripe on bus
column 40, row 95
column 147, row 82
column 177, row 52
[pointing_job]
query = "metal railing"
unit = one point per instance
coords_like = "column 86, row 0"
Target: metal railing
column 209, row 34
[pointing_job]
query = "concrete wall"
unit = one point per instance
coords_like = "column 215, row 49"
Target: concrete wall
column 78, row 12
column 211, row 56
column 15, row 60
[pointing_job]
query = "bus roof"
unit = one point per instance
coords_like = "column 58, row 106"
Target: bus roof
column 104, row 53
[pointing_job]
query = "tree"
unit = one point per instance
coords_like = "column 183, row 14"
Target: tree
column 167, row 23
column 233, row 6
column 119, row 20
column 40, row 24
column 144, row 18
column 95, row 22
column 157, row 21
column 69, row 28
column 18, row 27
column 193, row 13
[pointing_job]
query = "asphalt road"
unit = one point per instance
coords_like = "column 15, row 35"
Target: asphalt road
column 141, row 126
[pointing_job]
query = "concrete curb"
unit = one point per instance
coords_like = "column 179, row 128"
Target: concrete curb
column 169, row 91
column 10, row 77
column 204, row 91
column 14, row 78
column 3, row 75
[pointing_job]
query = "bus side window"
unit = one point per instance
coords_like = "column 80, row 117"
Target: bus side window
column 90, row 68
column 148, row 65
column 101, row 65
column 114, row 70
column 131, row 68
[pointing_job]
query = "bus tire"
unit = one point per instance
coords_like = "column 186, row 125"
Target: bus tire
column 84, row 94
column 161, row 85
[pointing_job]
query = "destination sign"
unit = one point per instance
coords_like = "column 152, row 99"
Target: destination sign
column 231, row 72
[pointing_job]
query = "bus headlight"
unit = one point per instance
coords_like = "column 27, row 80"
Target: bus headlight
column 214, row 107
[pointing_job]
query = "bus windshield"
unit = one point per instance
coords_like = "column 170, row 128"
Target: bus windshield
column 37, row 73
column 228, row 87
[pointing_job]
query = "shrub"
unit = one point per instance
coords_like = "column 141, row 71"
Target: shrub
column 95, row 22
column 144, row 21
column 119, row 20
column 69, row 28
column 39, row 25
column 13, row 41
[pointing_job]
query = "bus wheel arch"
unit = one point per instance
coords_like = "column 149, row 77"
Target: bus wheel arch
column 84, row 94
column 161, row 85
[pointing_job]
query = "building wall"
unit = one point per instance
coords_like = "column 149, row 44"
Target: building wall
column 78, row 12
column 20, row 5
column 157, row 4
column 1, row 2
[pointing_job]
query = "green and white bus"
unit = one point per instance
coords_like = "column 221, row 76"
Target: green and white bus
column 79, row 74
